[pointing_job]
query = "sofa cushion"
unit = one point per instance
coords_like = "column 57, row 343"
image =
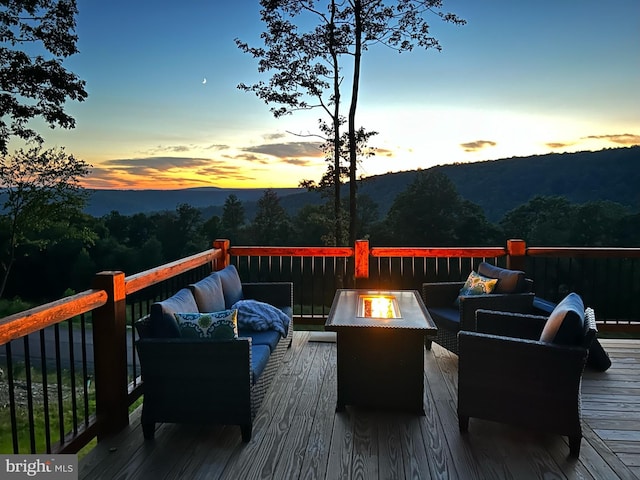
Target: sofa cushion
column 476, row 284
column 215, row 325
column 163, row 322
column 509, row 281
column 446, row 317
column 208, row 294
column 565, row 325
column 267, row 337
column 231, row 285
column 259, row 358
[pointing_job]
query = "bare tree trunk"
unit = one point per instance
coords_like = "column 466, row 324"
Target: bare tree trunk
column 337, row 206
column 353, row 147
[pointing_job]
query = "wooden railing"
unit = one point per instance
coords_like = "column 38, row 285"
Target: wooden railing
column 116, row 300
column 106, row 302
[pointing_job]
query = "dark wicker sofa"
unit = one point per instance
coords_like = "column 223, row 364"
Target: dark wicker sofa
column 193, row 380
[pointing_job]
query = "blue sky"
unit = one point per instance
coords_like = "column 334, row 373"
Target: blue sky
column 520, row 78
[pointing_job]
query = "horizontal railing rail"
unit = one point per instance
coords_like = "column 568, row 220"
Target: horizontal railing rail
column 51, row 375
column 93, row 330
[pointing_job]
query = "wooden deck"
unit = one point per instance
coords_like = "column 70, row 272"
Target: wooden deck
column 298, row 434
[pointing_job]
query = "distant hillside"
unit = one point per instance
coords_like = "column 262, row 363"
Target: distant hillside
column 128, row 202
column 497, row 186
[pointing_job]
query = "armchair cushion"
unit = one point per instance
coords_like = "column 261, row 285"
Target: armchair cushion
column 215, row 326
column 565, row 325
column 509, row 281
column 476, row 284
column 163, row 323
column 208, row 294
column 598, row 358
column 446, row 317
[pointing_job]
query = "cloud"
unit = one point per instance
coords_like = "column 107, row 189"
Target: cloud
column 164, row 172
column 273, row 136
column 288, row 150
column 558, row 144
column 156, row 163
column 477, row 145
column 217, row 147
column 384, row 152
column 628, row 139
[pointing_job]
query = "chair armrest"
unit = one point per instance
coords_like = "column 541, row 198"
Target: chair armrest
column 531, row 364
column 440, row 294
column 510, row 324
column 502, row 302
column 278, row 294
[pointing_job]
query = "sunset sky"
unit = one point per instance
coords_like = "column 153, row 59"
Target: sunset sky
column 521, row 78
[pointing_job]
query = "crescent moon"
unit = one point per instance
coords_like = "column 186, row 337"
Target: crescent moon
column 204, row 81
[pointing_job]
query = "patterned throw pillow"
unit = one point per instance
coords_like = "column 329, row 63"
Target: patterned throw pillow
column 476, row 284
column 215, row 326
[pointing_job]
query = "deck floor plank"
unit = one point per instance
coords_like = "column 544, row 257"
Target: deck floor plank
column 298, row 434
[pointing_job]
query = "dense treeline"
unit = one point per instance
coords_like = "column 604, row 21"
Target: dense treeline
column 429, row 212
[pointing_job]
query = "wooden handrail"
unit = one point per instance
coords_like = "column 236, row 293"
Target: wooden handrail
column 475, row 252
column 139, row 281
column 593, row 252
column 291, row 251
column 23, row 323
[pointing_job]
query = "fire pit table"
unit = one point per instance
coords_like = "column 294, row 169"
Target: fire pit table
column 380, row 341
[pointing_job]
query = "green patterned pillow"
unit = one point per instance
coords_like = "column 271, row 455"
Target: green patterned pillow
column 215, row 326
column 476, row 284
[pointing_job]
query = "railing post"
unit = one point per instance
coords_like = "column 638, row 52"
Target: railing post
column 516, row 254
column 110, row 355
column 223, row 245
column 361, row 254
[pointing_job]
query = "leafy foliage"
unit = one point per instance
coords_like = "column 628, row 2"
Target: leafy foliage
column 43, row 199
column 36, row 36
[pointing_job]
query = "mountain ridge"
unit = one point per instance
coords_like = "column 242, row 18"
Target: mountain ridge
column 497, row 186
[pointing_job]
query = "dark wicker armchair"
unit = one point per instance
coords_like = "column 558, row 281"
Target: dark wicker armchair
column 506, row 374
column 514, row 295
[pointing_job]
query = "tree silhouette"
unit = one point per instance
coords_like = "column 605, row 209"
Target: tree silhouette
column 306, row 70
column 42, row 191
column 303, row 62
column 36, row 85
column 232, row 217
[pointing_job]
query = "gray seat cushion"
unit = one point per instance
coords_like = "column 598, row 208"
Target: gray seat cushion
column 565, row 325
column 509, row 281
column 163, row 322
column 231, row 285
column 208, row 294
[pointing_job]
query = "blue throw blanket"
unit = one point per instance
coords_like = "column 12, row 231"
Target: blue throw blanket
column 261, row 316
